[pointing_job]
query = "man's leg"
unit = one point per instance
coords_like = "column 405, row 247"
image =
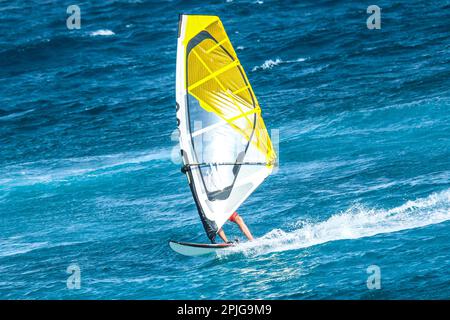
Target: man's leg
column 240, row 222
column 221, row 234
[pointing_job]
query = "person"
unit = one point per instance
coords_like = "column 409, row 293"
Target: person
column 236, row 218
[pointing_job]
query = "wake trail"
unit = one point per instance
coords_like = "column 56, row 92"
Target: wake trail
column 356, row 222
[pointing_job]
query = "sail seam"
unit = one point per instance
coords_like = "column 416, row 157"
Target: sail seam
column 241, row 89
column 213, row 75
column 217, row 45
column 255, row 110
column 235, row 102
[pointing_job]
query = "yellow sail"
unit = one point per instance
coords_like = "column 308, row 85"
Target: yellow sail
column 216, row 78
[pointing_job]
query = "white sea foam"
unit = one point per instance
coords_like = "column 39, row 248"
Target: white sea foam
column 357, row 222
column 102, row 32
column 17, row 245
column 269, row 64
column 11, row 247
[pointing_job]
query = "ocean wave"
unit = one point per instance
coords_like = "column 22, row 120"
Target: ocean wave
column 102, row 32
column 11, row 247
column 16, row 246
column 15, row 115
column 356, row 222
column 269, row 64
column 46, row 171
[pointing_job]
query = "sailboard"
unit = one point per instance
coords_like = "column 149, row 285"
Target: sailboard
column 197, row 249
column 225, row 147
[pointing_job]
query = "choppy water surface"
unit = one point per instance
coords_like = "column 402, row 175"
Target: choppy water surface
column 87, row 119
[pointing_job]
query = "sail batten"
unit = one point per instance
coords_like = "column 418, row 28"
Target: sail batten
column 213, row 75
column 226, row 149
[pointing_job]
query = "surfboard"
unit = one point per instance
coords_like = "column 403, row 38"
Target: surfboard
column 197, row 249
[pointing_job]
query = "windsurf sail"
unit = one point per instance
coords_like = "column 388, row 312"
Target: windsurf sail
column 225, row 146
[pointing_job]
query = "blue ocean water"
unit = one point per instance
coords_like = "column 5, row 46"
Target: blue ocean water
column 87, row 134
